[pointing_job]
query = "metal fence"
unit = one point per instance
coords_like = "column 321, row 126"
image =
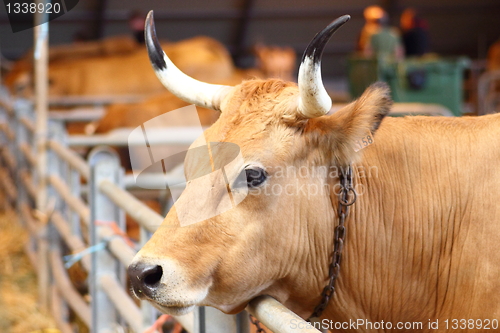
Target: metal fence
column 84, row 218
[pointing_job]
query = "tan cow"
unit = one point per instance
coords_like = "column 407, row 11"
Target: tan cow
column 19, row 77
column 423, row 235
column 125, row 73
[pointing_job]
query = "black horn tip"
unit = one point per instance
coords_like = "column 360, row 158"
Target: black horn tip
column 155, row 51
column 316, row 46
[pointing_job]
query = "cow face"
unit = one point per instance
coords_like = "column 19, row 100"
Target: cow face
column 278, row 239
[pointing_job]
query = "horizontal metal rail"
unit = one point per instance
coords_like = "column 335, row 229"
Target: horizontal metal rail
column 8, row 131
column 276, row 316
column 117, row 246
column 94, row 100
column 142, row 193
column 78, row 114
column 75, row 203
column 122, row 301
column 156, row 136
column 75, row 243
column 144, row 215
column 72, row 158
column 57, row 311
column 28, row 154
column 7, row 106
column 28, row 123
column 32, row 226
column 27, row 217
column 7, row 184
column 9, row 158
column 68, row 292
column 28, row 183
column 151, row 181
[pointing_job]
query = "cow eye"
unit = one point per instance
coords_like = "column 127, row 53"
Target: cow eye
column 255, row 176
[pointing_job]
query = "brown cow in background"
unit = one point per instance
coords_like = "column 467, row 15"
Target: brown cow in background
column 98, row 71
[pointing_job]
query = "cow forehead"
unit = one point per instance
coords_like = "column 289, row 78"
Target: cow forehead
column 259, row 101
column 253, row 109
column 254, row 118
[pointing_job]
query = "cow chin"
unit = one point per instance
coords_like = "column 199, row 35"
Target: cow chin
column 232, row 309
column 173, row 310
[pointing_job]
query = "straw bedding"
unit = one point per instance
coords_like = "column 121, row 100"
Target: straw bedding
column 19, row 312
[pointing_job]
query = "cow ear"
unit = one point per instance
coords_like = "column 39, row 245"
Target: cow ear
column 366, row 113
column 360, row 118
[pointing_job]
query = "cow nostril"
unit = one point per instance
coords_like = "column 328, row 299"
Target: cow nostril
column 152, row 275
column 145, row 279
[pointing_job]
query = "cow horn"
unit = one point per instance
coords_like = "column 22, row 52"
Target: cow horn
column 181, row 85
column 314, row 100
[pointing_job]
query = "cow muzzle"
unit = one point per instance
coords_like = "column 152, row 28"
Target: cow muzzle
column 163, row 283
column 145, row 279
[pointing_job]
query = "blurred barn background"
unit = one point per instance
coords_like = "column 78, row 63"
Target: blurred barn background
column 457, row 27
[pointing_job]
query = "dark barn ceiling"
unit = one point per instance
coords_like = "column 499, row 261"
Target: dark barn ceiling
column 457, row 27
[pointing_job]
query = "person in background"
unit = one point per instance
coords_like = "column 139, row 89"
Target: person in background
column 371, row 14
column 415, row 33
column 385, row 43
column 136, row 22
column 494, row 57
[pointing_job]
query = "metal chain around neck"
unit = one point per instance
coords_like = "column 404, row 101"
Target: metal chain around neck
column 347, row 197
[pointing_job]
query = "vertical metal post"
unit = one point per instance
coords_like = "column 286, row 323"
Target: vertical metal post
column 12, row 149
column 24, row 108
column 104, row 165
column 41, row 97
column 31, row 113
column 242, row 322
column 149, row 313
column 76, row 188
column 56, row 167
column 21, row 109
column 211, row 320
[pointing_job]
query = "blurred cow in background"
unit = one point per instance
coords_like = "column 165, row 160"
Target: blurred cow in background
column 276, row 62
column 115, row 67
column 119, row 66
column 19, row 77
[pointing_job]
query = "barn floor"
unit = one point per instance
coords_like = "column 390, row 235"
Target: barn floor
column 18, row 286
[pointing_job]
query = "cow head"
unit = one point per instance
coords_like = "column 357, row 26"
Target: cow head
column 278, row 240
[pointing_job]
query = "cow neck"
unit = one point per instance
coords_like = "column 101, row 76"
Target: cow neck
column 346, row 198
